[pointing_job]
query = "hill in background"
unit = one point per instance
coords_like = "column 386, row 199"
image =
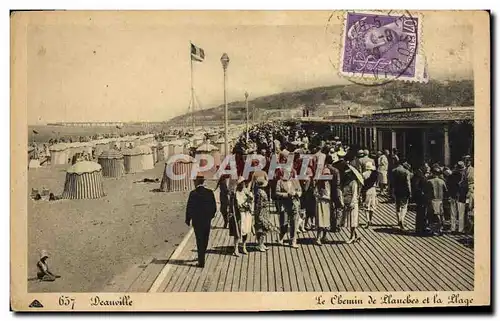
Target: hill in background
column 325, row 101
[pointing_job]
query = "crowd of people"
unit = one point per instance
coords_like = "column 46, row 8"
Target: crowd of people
column 359, row 177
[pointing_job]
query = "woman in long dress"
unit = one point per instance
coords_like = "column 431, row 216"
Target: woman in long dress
column 383, row 167
column 307, row 200
column 351, row 204
column 262, row 223
column 322, row 193
column 369, row 191
column 240, row 222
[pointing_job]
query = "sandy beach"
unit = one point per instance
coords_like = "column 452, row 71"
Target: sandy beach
column 92, row 241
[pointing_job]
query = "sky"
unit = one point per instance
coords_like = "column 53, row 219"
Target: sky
column 110, row 66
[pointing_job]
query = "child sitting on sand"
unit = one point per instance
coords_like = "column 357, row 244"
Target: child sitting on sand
column 44, row 274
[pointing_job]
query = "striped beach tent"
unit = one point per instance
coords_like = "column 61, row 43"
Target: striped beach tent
column 212, row 150
column 138, row 159
column 112, row 163
column 101, row 145
column 84, row 181
column 58, row 154
column 168, row 184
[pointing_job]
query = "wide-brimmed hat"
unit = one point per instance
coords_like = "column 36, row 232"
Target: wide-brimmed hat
column 460, row 165
column 436, row 170
column 361, row 153
column 370, row 166
column 44, row 253
column 240, row 180
column 367, row 152
column 341, row 153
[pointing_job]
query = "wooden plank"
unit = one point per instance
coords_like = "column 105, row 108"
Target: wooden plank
column 299, row 273
column 337, row 284
column 222, row 266
column 315, row 280
column 168, row 283
column 292, row 274
column 340, row 264
column 317, row 268
column 323, row 266
column 217, row 254
column 271, row 279
column 216, row 238
column 228, row 281
column 256, row 282
column 407, row 267
column 278, row 275
column 263, row 272
column 367, row 281
column 444, row 243
column 432, row 262
column 349, row 276
column 252, row 268
column 306, row 275
column 404, row 268
column 356, row 266
column 379, row 266
column 189, row 273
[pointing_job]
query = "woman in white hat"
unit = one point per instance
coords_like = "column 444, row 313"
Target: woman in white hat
column 369, row 191
column 240, row 225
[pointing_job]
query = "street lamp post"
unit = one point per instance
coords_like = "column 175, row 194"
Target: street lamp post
column 246, row 106
column 225, row 62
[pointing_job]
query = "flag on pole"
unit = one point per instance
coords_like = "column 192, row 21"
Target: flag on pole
column 197, row 53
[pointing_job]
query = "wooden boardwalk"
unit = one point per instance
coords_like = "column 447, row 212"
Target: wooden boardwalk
column 386, row 259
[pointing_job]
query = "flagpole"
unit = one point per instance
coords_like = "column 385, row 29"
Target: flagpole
column 192, row 89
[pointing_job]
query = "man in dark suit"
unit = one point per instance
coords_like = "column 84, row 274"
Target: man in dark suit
column 200, row 211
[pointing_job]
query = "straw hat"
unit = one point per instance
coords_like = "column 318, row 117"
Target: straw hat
column 240, row 180
column 341, row 153
column 460, row 165
column 361, row 153
column 369, row 166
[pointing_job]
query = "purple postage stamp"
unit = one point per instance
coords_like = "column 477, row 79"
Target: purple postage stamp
column 382, row 47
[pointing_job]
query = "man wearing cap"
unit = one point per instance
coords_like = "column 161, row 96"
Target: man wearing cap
column 200, row 211
column 366, row 159
column 401, row 178
column 356, row 162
